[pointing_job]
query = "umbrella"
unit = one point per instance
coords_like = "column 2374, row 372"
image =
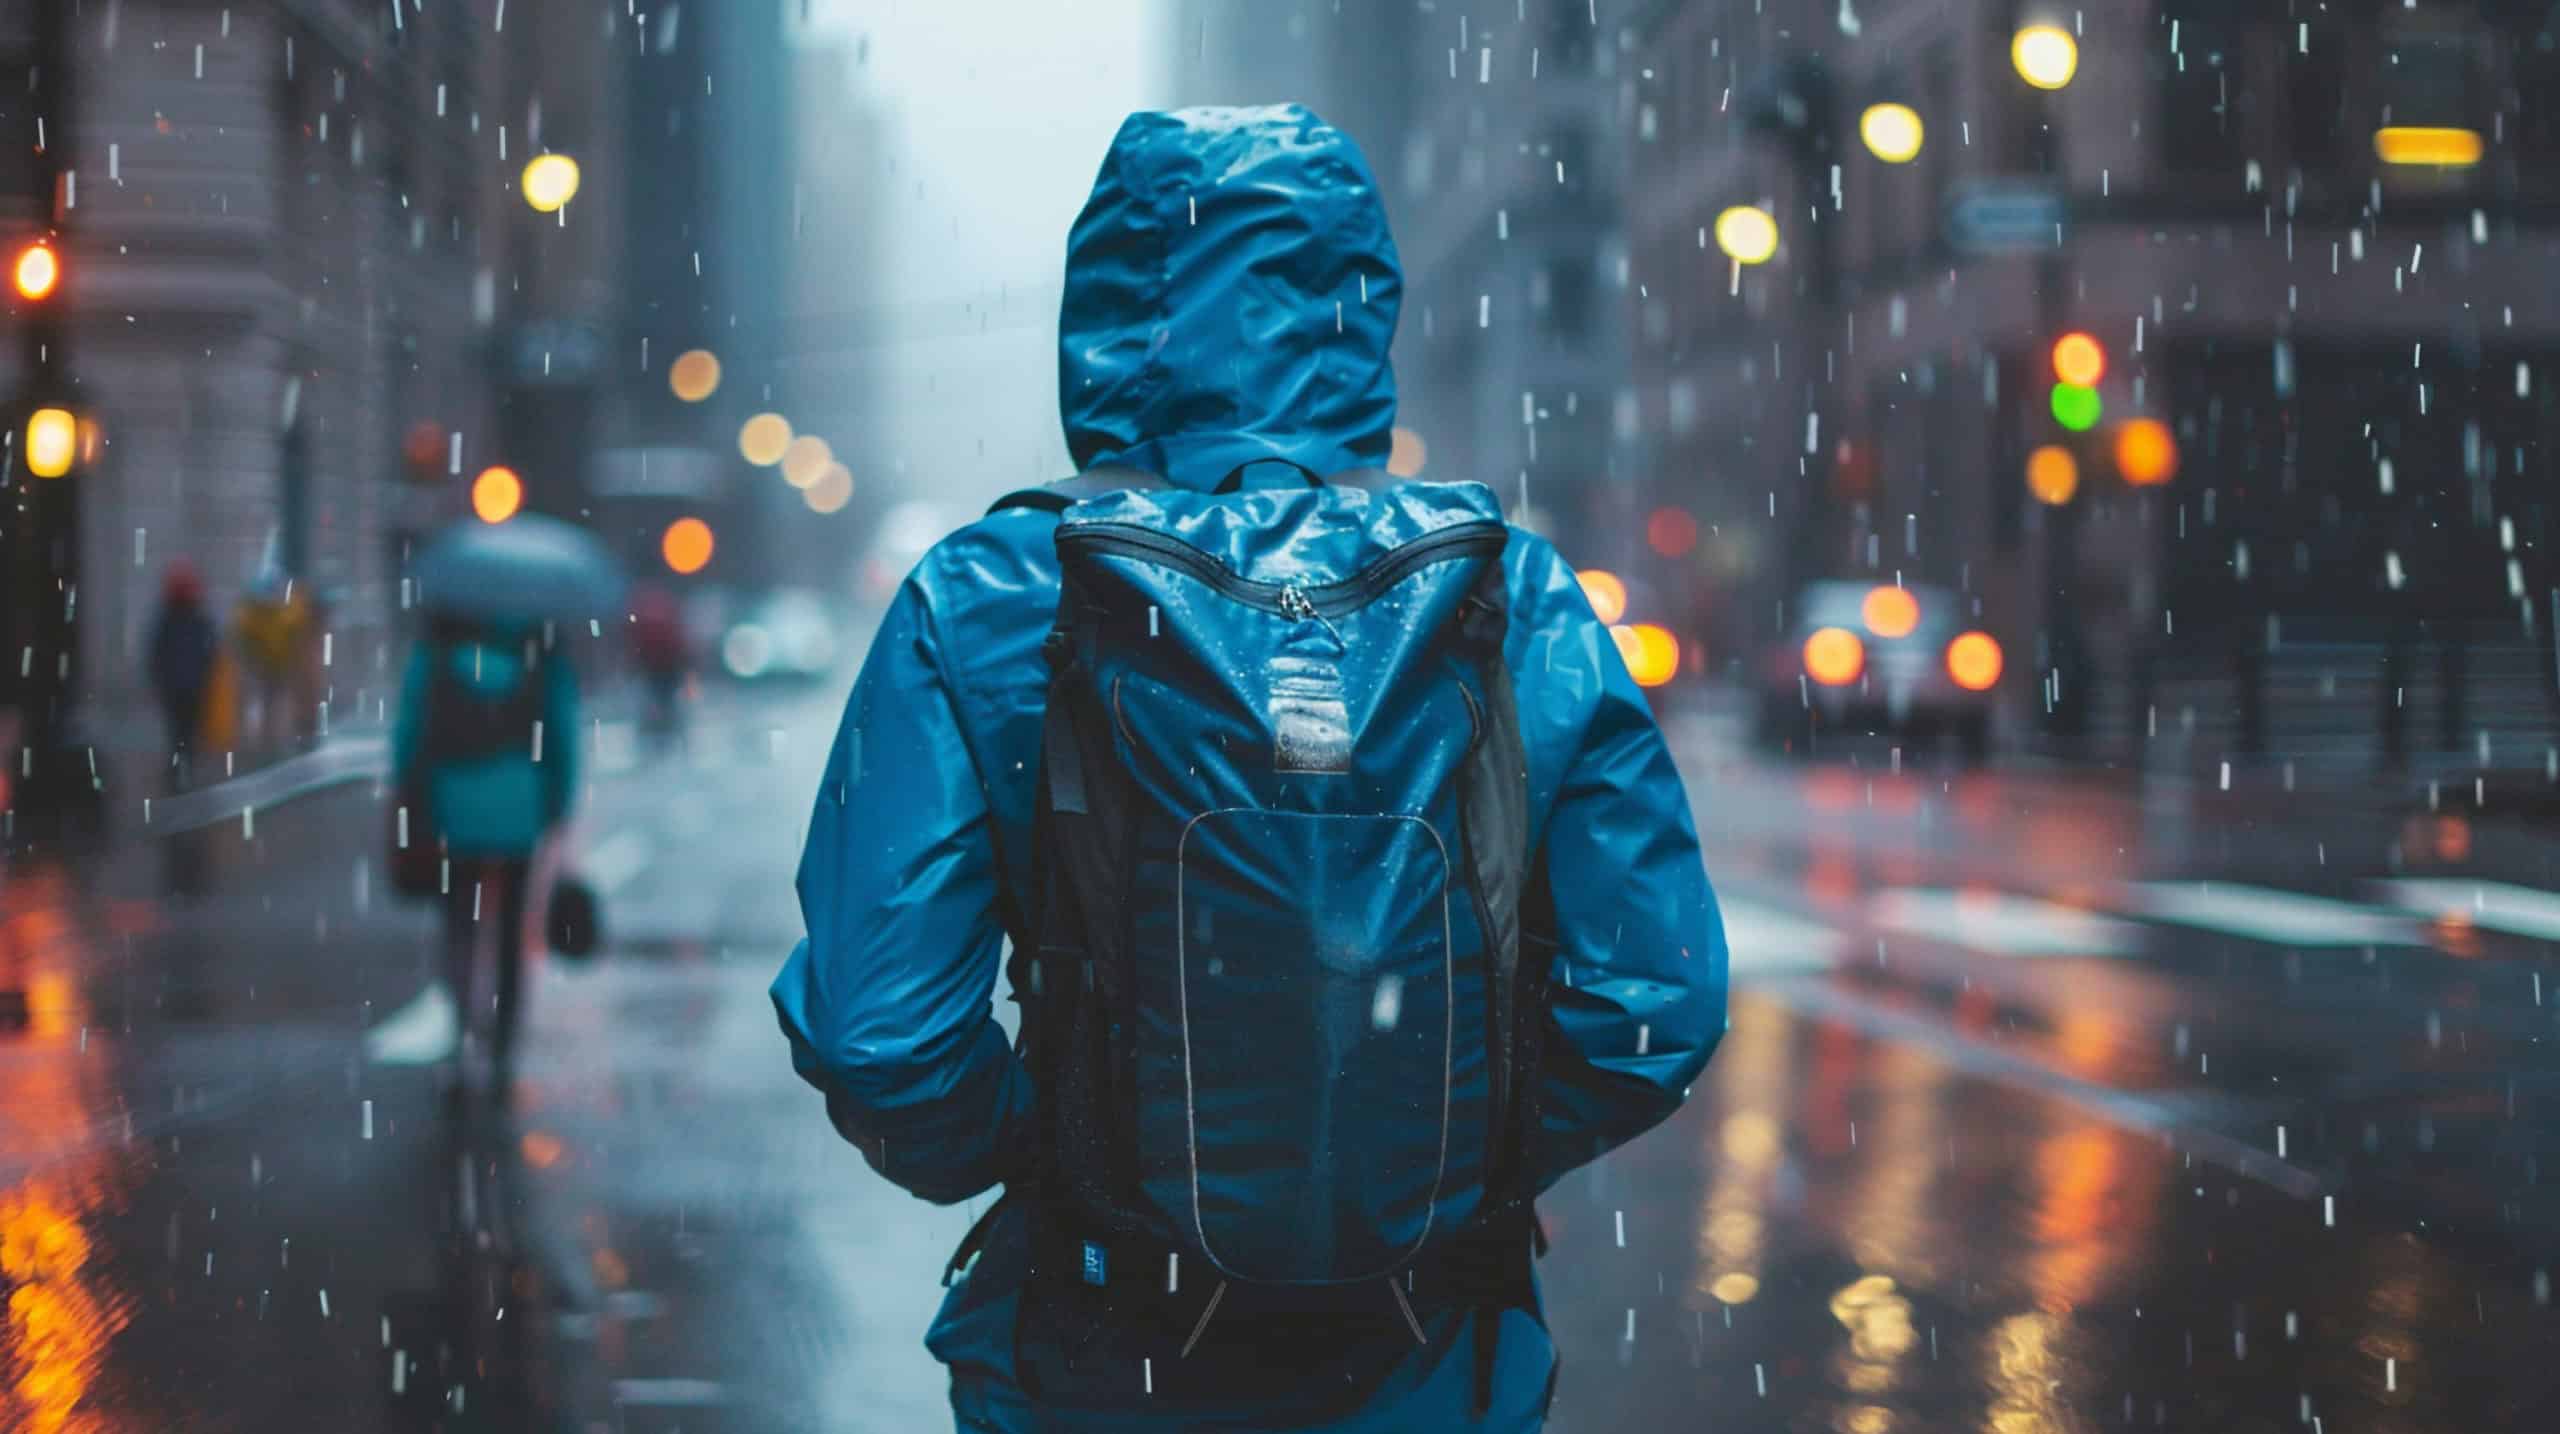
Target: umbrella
column 529, row 567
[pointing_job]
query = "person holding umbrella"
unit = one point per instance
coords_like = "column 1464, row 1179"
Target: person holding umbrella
column 485, row 745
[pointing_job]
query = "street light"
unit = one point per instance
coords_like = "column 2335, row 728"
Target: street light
column 36, row 272
column 2046, row 56
column 550, row 181
column 1747, row 233
column 53, row 440
column 1892, row 132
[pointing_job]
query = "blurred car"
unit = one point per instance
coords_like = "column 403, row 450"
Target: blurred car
column 1880, row 658
column 785, row 635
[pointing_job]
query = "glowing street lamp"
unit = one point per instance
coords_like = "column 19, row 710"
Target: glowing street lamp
column 36, row 273
column 550, row 182
column 1892, row 132
column 53, row 440
column 2046, row 55
column 1747, row 233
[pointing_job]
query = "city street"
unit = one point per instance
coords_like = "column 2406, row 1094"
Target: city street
column 2048, row 1104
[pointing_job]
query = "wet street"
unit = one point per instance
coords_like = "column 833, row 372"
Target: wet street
column 2050, row 1103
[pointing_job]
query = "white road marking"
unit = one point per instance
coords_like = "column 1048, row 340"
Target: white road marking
column 347, row 759
column 2496, row 905
column 2261, row 913
column 420, row 1033
column 1765, row 941
column 2001, row 924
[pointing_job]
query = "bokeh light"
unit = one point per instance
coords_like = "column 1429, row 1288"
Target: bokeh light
column 1747, row 234
column 1834, row 657
column 763, row 439
column 2046, row 56
column 687, row 545
column 2146, row 452
column 695, row 375
column 831, row 492
column 2053, row 475
column 1652, row 653
column 2076, row 407
column 1892, row 132
column 1406, row 453
column 36, row 271
column 53, row 440
column 2079, row 358
column 496, row 494
column 1607, row 592
column 805, row 460
column 2443, row 148
column 1973, row 661
column 1672, row 532
column 550, row 182
column 1890, row 612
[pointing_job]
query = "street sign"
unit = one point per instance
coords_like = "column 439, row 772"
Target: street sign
column 2004, row 216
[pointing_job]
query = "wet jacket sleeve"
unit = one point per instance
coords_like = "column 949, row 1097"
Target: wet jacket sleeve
column 886, row 1002
column 1637, row 985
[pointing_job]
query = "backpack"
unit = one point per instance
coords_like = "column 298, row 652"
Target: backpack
column 1274, row 997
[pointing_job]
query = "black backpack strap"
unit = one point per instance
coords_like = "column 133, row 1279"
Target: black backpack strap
column 1058, row 497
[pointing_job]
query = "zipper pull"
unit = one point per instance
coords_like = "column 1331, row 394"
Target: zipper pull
column 1295, row 602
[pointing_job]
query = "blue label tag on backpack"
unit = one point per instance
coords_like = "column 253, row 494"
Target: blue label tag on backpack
column 1097, row 1264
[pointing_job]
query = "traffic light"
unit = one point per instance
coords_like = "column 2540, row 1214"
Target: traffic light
column 36, row 272
column 2078, row 358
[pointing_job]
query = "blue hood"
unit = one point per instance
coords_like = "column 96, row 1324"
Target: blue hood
column 1231, row 295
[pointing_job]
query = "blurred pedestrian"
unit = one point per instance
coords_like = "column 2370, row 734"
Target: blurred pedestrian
column 658, row 651
column 273, row 631
column 184, row 647
column 485, row 747
column 1353, row 896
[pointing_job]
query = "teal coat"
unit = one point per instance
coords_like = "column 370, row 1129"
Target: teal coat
column 495, row 806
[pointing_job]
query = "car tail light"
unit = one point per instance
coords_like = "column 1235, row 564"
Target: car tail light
column 1973, row 661
column 1834, row 657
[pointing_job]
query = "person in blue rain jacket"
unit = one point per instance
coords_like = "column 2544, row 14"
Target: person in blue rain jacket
column 485, row 749
column 1231, row 292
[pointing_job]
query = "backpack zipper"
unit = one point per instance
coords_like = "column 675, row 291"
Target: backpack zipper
column 1291, row 600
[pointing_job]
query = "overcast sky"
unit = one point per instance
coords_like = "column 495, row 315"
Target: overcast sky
column 996, row 113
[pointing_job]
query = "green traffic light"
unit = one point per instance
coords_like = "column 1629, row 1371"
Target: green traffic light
column 2075, row 407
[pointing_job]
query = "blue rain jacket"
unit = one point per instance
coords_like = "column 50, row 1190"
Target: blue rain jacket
column 491, row 806
column 1230, row 297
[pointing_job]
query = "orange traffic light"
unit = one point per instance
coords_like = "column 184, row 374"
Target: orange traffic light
column 687, row 545
column 2079, row 359
column 36, row 273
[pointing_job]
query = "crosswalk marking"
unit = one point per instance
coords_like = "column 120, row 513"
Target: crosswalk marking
column 2001, row 923
column 2493, row 905
column 2261, row 913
